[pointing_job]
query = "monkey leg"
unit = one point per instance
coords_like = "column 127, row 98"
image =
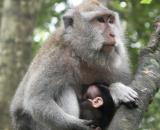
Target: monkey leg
column 69, row 102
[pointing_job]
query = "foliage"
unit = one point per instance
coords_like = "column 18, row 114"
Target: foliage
column 146, row 1
column 45, row 21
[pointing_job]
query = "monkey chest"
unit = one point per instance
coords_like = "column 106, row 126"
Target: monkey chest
column 91, row 76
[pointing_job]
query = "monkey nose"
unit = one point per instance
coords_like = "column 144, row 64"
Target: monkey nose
column 112, row 39
column 112, row 35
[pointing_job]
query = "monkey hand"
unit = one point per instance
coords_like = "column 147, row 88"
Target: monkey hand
column 95, row 127
column 88, row 122
column 83, row 125
column 98, row 128
column 123, row 94
column 91, row 124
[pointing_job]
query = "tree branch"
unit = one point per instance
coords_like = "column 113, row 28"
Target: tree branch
column 146, row 83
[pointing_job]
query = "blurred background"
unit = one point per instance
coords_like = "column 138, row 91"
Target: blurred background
column 26, row 24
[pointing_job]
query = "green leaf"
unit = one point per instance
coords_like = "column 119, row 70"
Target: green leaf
column 146, row 1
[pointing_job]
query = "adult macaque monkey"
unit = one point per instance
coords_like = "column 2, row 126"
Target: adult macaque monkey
column 89, row 48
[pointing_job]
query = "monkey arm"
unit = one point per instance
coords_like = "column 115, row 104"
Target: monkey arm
column 41, row 97
column 46, row 111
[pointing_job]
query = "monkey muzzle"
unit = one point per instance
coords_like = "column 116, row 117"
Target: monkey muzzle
column 108, row 47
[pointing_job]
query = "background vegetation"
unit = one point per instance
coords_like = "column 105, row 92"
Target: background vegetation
column 25, row 25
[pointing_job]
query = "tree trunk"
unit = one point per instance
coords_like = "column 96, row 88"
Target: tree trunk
column 1, row 3
column 17, row 24
column 146, row 83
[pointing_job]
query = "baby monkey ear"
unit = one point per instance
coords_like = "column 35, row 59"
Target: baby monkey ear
column 96, row 102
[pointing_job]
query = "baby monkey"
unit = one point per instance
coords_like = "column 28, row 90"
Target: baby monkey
column 97, row 104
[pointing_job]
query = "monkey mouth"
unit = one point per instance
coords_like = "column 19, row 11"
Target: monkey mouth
column 107, row 48
column 109, row 45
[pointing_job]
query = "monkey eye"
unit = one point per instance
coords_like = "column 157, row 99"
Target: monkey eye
column 100, row 19
column 111, row 19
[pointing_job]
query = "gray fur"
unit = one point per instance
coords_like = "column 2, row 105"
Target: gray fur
column 46, row 98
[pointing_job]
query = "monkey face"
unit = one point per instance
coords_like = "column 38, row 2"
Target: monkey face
column 104, row 23
column 95, row 35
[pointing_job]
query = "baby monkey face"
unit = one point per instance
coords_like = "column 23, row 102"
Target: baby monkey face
column 94, row 96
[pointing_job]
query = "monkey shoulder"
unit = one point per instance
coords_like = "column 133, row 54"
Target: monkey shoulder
column 54, row 57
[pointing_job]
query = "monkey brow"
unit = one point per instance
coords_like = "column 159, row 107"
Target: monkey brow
column 89, row 15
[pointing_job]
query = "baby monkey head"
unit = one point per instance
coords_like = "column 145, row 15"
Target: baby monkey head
column 97, row 105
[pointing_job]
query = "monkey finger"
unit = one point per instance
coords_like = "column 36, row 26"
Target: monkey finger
column 133, row 95
column 131, row 104
column 136, row 102
column 125, row 100
column 88, row 122
column 130, row 98
column 133, row 92
column 93, row 126
column 83, row 128
column 98, row 128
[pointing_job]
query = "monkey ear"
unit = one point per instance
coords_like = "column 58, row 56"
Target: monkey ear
column 68, row 19
column 96, row 102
